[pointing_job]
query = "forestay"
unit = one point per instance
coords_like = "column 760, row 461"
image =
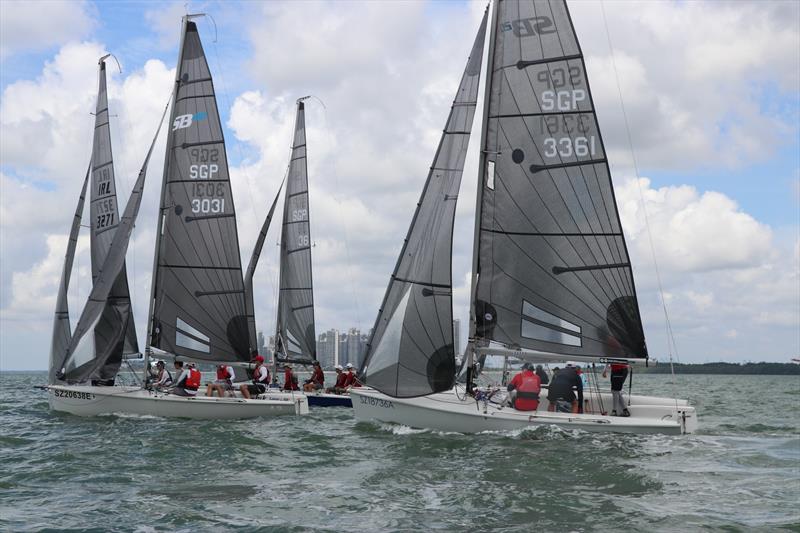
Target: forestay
column 198, row 307
column 553, row 269
column 115, row 333
column 61, row 326
column 411, row 350
column 296, row 336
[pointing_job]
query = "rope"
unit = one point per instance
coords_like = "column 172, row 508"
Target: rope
column 668, row 326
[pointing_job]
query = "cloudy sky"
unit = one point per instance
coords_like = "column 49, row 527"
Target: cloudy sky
column 711, row 91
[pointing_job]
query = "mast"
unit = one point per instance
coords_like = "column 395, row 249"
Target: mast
column 482, row 168
column 161, row 208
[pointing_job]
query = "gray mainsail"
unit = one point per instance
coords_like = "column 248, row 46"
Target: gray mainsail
column 553, row 271
column 111, row 335
column 411, row 350
column 198, row 307
column 296, row 337
column 251, row 270
column 81, row 361
column 61, row 327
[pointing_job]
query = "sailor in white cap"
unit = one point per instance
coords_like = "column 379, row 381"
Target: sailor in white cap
column 338, row 388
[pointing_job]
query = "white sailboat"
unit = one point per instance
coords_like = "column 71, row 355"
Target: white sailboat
column 551, row 277
column 197, row 308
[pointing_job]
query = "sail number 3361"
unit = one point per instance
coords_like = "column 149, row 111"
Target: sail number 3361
column 567, row 147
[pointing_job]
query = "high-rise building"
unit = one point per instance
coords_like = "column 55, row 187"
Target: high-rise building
column 457, row 336
column 328, row 349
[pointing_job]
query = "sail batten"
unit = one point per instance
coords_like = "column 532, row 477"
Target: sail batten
column 550, row 242
column 411, row 350
column 295, row 330
column 198, row 273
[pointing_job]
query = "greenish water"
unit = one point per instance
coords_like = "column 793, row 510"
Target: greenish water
column 325, row 471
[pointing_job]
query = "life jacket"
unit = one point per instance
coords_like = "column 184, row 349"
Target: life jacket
column 318, row 376
column 618, row 367
column 257, row 376
column 222, row 373
column 528, row 392
column 349, row 379
column 340, row 380
column 193, row 380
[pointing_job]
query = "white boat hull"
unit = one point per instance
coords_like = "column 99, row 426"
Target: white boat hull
column 448, row 411
column 84, row 400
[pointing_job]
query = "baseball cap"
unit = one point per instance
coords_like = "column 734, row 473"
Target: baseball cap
column 258, row 358
column 339, row 367
column 349, row 365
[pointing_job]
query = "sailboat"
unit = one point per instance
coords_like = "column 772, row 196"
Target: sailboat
column 198, row 309
column 551, row 276
column 295, row 328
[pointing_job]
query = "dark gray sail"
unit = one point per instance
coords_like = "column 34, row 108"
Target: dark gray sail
column 411, row 350
column 296, row 339
column 553, row 269
column 81, row 361
column 61, row 327
column 111, row 335
column 198, row 308
column 251, row 270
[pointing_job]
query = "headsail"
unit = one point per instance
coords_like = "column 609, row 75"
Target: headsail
column 251, row 270
column 553, row 271
column 198, row 309
column 81, row 361
column 411, row 351
column 296, row 337
column 61, row 327
column 112, row 336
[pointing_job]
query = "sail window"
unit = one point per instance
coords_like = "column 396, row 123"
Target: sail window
column 188, row 337
column 547, row 327
column 490, row 175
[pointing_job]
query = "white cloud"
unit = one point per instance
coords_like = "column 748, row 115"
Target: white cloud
column 26, row 25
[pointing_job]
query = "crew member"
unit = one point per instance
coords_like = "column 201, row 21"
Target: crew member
column 317, row 380
column 341, row 377
column 289, row 379
column 223, row 383
column 542, row 373
column 188, row 381
column 350, row 377
column 561, row 394
column 524, row 389
column 260, row 379
column 619, row 373
column 162, row 378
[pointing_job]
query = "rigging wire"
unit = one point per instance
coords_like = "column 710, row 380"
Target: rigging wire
column 671, row 346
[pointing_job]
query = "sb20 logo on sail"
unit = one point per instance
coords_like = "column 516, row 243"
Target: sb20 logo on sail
column 184, row 121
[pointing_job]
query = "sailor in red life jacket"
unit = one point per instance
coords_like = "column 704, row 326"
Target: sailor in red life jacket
column 524, row 389
column 260, row 378
column 289, row 379
column 619, row 373
column 223, row 383
column 189, row 380
column 350, row 379
column 338, row 388
column 317, row 380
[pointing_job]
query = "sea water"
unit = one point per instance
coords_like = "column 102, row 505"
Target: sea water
column 328, row 472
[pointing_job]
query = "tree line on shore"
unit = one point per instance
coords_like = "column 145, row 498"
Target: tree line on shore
column 748, row 368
